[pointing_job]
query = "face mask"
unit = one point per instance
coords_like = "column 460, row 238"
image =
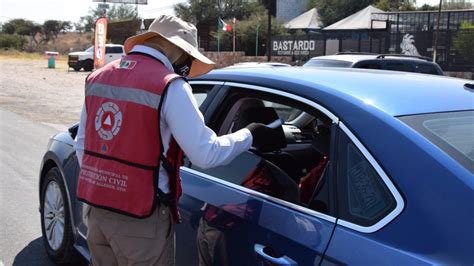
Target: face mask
column 184, row 67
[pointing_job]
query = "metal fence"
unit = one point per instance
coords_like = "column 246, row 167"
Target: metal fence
column 406, row 33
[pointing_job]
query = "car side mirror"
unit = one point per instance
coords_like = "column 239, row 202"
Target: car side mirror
column 73, row 131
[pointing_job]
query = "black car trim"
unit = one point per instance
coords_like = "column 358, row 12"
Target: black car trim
column 400, row 203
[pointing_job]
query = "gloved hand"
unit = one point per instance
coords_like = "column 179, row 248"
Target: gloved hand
column 263, row 137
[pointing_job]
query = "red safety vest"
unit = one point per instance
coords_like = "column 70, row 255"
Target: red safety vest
column 123, row 149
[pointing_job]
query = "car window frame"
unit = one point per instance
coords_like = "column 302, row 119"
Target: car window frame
column 400, row 203
column 225, row 89
column 339, row 126
column 216, row 92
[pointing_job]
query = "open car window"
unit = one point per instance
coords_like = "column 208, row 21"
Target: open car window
column 200, row 91
column 293, row 170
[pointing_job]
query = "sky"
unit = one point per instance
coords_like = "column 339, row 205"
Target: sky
column 72, row 10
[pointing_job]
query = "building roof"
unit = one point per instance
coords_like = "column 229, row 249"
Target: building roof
column 309, row 20
column 359, row 21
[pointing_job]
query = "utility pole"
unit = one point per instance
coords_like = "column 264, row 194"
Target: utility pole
column 256, row 37
column 269, row 31
column 435, row 46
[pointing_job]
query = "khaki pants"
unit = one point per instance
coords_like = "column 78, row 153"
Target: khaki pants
column 212, row 245
column 116, row 239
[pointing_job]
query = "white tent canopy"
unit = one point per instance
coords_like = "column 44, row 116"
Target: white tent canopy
column 359, row 21
column 309, row 20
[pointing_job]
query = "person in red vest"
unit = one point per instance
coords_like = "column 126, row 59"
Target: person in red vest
column 138, row 119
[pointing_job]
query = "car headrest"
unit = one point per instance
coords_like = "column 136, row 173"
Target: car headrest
column 264, row 115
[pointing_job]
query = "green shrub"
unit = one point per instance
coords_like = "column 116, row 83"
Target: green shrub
column 12, row 41
column 464, row 40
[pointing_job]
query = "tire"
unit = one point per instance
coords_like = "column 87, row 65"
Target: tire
column 88, row 65
column 58, row 237
column 78, row 66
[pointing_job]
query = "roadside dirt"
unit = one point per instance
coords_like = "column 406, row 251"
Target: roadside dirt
column 51, row 96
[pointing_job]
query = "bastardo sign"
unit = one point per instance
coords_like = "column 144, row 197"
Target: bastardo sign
column 293, row 47
column 99, row 46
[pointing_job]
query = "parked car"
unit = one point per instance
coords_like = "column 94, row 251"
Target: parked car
column 85, row 59
column 371, row 168
column 393, row 62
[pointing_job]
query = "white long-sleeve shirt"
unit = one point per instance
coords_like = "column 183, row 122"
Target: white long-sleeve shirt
column 180, row 117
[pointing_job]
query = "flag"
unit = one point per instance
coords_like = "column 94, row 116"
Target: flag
column 99, row 43
column 224, row 26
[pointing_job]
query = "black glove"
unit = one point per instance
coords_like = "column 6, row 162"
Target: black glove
column 264, row 138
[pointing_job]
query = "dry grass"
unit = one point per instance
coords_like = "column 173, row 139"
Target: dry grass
column 18, row 55
column 71, row 41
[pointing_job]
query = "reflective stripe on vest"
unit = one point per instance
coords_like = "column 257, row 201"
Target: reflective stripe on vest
column 122, row 135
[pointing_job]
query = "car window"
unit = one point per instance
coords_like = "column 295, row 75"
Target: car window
column 453, row 132
column 90, row 49
column 200, row 92
column 363, row 197
column 293, row 169
column 369, row 65
column 427, row 69
column 113, row 50
column 327, row 63
column 399, row 66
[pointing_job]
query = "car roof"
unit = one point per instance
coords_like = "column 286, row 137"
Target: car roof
column 258, row 64
column 113, row 45
column 395, row 93
column 359, row 57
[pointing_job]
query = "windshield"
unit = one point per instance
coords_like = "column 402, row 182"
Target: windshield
column 327, row 63
column 453, row 132
column 90, row 49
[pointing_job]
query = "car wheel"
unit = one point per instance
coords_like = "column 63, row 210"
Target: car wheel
column 78, row 66
column 56, row 226
column 88, row 65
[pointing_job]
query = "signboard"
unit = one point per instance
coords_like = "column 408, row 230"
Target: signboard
column 289, row 46
column 99, row 45
column 136, row 2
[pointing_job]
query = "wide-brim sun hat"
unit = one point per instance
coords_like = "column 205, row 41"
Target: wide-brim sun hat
column 179, row 33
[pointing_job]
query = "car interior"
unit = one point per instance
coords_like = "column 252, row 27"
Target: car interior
column 300, row 151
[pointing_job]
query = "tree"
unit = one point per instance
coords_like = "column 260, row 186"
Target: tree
column 427, row 7
column 383, row 5
column 52, row 28
column 117, row 12
column 198, row 11
column 331, row 11
column 8, row 28
column 23, row 27
column 407, row 5
column 246, row 34
column 464, row 40
column 457, row 4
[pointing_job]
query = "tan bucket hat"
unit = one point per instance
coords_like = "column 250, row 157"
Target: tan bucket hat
column 179, row 33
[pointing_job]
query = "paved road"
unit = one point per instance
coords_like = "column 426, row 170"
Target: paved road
column 22, row 144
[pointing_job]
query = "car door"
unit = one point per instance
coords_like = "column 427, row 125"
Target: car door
column 232, row 216
column 367, row 202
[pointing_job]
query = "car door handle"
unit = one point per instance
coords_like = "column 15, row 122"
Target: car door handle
column 280, row 260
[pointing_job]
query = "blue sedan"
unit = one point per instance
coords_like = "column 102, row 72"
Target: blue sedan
column 370, row 167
